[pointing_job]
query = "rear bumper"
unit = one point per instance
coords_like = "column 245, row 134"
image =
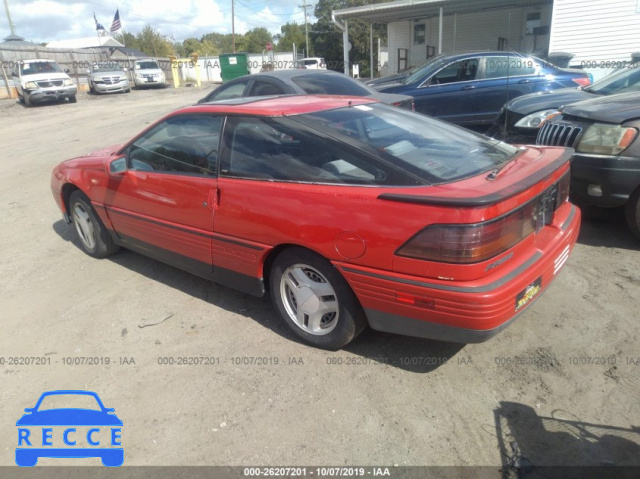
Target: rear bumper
column 465, row 312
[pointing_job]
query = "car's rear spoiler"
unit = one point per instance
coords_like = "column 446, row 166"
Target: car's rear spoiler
column 490, row 199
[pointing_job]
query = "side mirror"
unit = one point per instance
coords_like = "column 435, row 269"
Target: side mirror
column 28, row 409
column 66, row 70
column 14, row 74
column 118, row 166
column 88, row 72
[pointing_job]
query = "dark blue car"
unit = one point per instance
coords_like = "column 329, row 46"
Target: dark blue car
column 469, row 89
column 89, row 431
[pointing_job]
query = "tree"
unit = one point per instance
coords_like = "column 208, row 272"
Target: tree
column 152, row 43
column 326, row 37
column 292, row 33
column 257, row 39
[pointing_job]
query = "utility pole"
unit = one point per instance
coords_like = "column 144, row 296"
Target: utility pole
column 306, row 26
column 6, row 7
column 233, row 26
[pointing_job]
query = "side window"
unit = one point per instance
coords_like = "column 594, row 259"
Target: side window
column 225, row 92
column 464, row 70
column 263, row 88
column 275, row 149
column 503, row 67
column 180, row 145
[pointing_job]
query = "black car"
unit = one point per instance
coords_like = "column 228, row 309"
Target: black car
column 302, row 82
column 521, row 118
column 605, row 170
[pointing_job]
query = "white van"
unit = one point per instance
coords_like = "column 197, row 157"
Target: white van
column 43, row 80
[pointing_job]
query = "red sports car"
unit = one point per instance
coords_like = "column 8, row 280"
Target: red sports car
column 347, row 211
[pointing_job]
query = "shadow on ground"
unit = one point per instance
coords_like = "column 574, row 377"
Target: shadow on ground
column 411, row 354
column 561, row 445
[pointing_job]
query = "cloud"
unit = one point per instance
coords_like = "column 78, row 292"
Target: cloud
column 48, row 20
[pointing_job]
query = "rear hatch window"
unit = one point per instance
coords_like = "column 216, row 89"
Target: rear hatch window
column 430, row 149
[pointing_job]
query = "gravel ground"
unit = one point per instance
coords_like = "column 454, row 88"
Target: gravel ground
column 563, row 381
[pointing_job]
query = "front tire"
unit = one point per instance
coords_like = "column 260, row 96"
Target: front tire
column 314, row 299
column 93, row 235
column 632, row 210
column 73, row 99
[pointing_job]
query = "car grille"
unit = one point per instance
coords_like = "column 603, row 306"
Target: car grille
column 48, row 84
column 554, row 134
column 111, row 80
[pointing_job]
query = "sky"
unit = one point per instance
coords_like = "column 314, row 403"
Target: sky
column 47, row 20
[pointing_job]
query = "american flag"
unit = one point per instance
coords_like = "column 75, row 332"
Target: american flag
column 98, row 25
column 116, row 25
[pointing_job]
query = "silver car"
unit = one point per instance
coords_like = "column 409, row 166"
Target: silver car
column 108, row 79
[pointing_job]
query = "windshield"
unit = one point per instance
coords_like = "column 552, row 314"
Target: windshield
column 426, row 69
column 149, row 65
column 40, row 67
column 621, row 81
column 328, row 84
column 430, row 149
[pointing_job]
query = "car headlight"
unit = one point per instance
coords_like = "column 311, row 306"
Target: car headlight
column 68, row 82
column 535, row 120
column 31, row 85
column 603, row 139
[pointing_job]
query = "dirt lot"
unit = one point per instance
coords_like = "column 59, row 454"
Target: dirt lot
column 563, row 381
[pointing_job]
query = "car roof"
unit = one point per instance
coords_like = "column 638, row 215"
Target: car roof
column 280, row 105
column 289, row 74
column 487, row 54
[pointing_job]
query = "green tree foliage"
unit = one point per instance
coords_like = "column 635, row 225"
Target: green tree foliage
column 326, row 39
column 148, row 41
column 257, row 39
column 292, row 33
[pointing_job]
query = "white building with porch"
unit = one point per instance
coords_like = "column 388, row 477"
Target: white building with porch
column 594, row 31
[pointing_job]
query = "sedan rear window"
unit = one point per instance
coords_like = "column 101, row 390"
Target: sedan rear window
column 423, row 147
column 331, row 85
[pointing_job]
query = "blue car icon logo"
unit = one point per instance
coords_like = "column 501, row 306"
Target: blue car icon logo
column 91, row 430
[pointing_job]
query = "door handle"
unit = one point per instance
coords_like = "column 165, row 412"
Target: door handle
column 468, row 87
column 524, row 81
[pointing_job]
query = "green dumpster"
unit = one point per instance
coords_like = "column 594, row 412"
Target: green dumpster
column 233, row 65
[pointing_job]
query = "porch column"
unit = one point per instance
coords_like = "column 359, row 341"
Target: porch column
column 440, row 33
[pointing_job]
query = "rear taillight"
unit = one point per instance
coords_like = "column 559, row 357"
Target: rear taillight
column 479, row 242
column 584, row 81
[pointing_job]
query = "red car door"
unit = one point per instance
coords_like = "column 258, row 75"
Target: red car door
column 164, row 202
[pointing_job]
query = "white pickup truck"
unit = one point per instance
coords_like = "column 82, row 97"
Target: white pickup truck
column 42, row 80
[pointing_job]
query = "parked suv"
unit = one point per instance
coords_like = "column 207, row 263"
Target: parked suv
column 147, row 72
column 314, row 63
column 605, row 170
column 43, row 80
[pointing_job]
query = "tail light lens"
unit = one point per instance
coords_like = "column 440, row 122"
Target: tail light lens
column 479, row 242
column 584, row 81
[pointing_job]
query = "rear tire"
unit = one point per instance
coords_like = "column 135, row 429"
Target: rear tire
column 314, row 299
column 632, row 211
column 93, row 235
